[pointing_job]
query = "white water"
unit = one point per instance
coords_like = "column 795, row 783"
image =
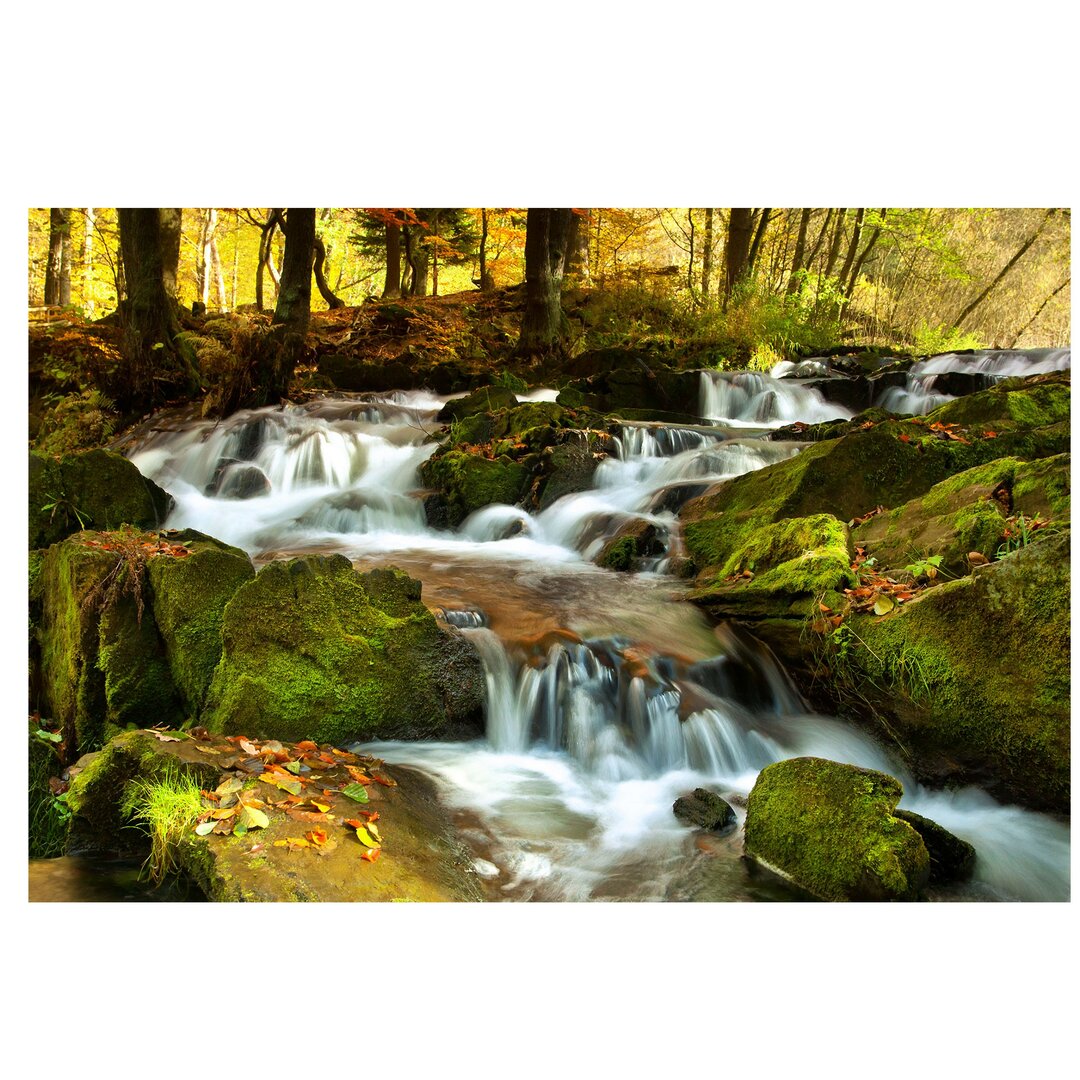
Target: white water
column 752, row 399
column 588, row 744
column 919, row 395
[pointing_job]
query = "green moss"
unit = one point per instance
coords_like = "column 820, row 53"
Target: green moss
column 95, row 489
column 309, row 652
column 977, row 670
column 47, row 815
column 830, row 829
column 471, row 482
column 793, row 562
column 188, row 596
column 1034, row 402
column 621, row 554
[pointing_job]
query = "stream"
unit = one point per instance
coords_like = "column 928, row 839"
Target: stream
column 608, row 695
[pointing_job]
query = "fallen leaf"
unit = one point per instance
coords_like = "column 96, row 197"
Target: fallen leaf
column 358, row 775
column 249, row 748
column 166, row 738
column 386, row 781
column 307, row 744
column 220, row 815
column 904, row 438
column 206, row 749
column 823, row 607
column 977, row 558
column 251, row 818
column 883, row 605
column 371, row 854
column 227, row 787
column 357, row 792
column 205, row 828
column 365, row 837
column 322, row 807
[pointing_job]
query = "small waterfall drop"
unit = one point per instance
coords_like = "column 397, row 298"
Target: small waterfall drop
column 753, row 399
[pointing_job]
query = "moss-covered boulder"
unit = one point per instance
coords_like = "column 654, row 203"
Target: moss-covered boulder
column 570, row 466
column 188, row 597
column 312, row 649
column 103, row 663
column 419, row 857
column 472, row 481
column 1030, row 402
column 973, row 675
column 830, row 829
column 95, row 489
column 486, row 399
column 966, row 513
column 784, row 568
column 633, row 541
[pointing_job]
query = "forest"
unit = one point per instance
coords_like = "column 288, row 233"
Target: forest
column 549, row 554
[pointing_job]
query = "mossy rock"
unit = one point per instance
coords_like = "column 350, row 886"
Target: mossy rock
column 780, row 569
column 421, row 858
column 704, row 809
column 830, row 829
column 633, row 541
column 103, row 662
column 570, row 467
column 188, row 597
column 486, row 399
column 967, row 513
column 95, row 489
column 951, row 859
column 312, row 649
column 973, row 675
column 1033, row 402
column 471, row 481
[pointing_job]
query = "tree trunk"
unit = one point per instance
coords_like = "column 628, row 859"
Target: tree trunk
column 857, row 268
column 285, row 344
column 88, row 263
column 706, row 256
column 325, row 291
column 1005, row 269
column 171, row 224
column 219, row 275
column 690, row 266
column 820, row 240
column 737, row 248
column 755, row 247
column 834, row 248
column 576, row 260
column 392, row 287
column 543, row 325
column 800, row 250
column 417, row 257
column 156, row 365
column 485, row 275
column 853, row 246
column 59, row 236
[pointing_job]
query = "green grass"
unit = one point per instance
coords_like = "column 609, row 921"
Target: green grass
column 167, row 808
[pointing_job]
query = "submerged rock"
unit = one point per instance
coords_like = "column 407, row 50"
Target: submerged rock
column 704, row 810
column 313, row 649
column 95, row 489
column 830, row 829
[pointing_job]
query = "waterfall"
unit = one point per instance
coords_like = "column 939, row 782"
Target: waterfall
column 928, row 384
column 752, row 399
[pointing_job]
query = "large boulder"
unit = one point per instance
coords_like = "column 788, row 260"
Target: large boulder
column 301, row 852
column 103, row 662
column 313, row 649
column 830, row 830
column 472, row 481
column 188, row 596
column 973, row 675
column 967, row 512
column 704, row 809
column 95, row 489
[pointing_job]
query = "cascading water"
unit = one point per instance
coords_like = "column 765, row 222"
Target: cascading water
column 928, row 385
column 753, row 399
column 607, row 696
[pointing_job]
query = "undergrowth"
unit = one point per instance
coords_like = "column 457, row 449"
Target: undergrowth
column 166, row 807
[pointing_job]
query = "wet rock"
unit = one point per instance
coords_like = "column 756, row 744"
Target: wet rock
column 486, row 399
column 830, row 829
column 704, row 810
column 239, row 481
column 94, row 489
column 420, row 858
column 313, row 649
column 951, row 859
column 469, row 482
column 635, row 540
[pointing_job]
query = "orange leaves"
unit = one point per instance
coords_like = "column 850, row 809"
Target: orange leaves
column 865, row 517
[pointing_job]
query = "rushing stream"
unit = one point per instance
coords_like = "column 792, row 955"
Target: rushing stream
column 608, row 696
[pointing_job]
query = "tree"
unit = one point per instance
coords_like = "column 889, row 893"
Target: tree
column 737, row 248
column 156, row 365
column 171, row 219
column 58, row 267
column 325, row 291
column 543, row 324
column 576, row 260
column 706, row 256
